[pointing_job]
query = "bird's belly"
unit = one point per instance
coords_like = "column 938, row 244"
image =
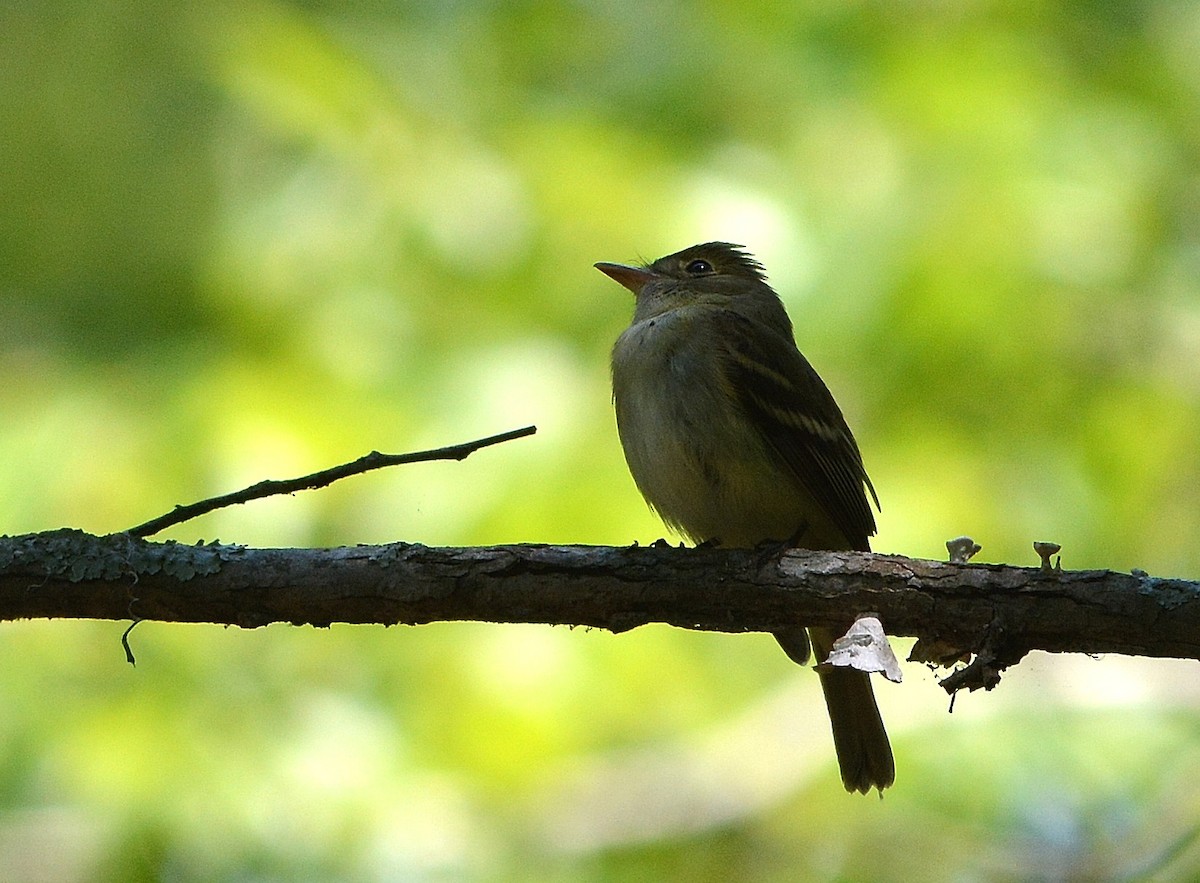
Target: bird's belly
column 702, row 468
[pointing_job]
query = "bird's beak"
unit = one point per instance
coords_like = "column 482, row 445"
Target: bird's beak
column 632, row 278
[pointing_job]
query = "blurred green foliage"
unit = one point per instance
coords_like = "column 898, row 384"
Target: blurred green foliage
column 252, row 240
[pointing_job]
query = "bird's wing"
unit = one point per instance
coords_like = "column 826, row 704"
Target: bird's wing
column 790, row 405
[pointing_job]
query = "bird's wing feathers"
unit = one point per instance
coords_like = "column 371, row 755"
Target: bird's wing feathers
column 795, row 412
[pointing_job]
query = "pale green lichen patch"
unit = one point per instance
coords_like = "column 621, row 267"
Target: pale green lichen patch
column 77, row 556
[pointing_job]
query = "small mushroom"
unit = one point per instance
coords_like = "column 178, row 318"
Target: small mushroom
column 961, row 549
column 1046, row 551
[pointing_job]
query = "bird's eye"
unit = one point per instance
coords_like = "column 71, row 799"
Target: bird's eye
column 699, row 267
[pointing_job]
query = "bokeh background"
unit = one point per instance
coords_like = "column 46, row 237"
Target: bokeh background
column 252, row 240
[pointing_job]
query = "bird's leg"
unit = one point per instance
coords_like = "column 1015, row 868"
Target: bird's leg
column 770, row 550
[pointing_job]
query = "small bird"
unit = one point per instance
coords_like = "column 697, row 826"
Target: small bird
column 734, row 440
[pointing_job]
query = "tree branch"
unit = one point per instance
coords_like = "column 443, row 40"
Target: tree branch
column 997, row 612
column 325, row 477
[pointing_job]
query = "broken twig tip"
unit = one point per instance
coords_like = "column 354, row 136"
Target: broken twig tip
column 129, row 657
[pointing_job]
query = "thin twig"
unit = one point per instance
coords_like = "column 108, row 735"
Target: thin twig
column 270, row 487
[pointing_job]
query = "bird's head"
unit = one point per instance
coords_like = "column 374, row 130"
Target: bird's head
column 712, row 273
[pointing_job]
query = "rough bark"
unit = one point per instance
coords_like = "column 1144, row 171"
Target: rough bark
column 993, row 611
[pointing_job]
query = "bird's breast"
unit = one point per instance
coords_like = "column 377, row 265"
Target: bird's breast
column 696, row 459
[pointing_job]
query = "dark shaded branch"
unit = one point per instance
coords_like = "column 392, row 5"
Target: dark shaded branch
column 996, row 611
column 271, row 488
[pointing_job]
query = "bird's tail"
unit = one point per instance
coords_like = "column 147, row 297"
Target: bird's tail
column 863, row 752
